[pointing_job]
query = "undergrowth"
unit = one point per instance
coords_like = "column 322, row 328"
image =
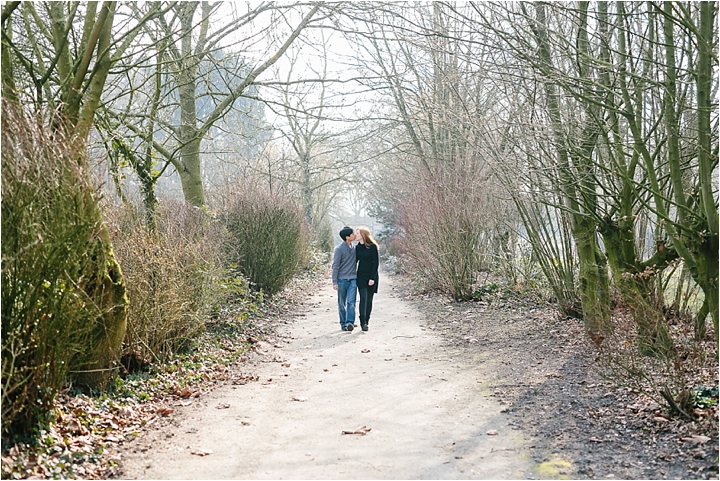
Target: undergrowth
column 82, row 439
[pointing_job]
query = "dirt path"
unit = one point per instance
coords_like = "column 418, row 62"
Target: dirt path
column 429, row 414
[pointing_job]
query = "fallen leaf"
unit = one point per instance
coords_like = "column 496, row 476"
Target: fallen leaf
column 285, row 364
column 695, row 439
column 492, row 432
column 184, row 392
column 660, row 419
column 595, row 440
column 163, row 411
column 362, row 431
column 222, row 406
column 244, row 379
column 365, row 351
column 74, row 426
column 125, row 411
column 201, row 452
column 299, row 399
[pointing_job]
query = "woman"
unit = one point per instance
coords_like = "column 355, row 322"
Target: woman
column 366, row 253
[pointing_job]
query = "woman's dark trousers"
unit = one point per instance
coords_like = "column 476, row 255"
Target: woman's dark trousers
column 365, row 307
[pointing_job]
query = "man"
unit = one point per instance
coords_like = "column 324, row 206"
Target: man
column 344, row 278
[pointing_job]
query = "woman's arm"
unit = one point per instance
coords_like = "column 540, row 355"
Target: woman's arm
column 376, row 262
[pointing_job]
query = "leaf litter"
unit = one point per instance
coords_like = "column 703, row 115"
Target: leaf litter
column 563, row 403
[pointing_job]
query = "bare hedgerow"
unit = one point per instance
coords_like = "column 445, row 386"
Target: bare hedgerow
column 49, row 239
column 172, row 274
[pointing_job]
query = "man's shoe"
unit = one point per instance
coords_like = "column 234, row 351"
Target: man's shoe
column 350, row 327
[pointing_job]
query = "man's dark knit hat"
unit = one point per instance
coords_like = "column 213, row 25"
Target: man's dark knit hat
column 345, row 231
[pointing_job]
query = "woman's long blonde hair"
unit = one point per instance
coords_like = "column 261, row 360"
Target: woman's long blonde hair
column 367, row 238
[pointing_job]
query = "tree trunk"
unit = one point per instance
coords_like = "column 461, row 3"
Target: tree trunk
column 189, row 135
column 8, row 80
column 594, row 281
column 708, row 258
column 191, row 173
column 110, row 330
column 594, row 284
column 636, row 286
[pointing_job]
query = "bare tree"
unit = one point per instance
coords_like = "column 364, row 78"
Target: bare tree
column 614, row 169
column 438, row 100
column 187, row 38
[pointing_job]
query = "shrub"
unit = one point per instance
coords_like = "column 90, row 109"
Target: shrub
column 323, row 237
column 269, row 237
column 49, row 235
column 444, row 220
column 172, row 273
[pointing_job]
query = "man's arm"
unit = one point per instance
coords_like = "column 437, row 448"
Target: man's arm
column 335, row 267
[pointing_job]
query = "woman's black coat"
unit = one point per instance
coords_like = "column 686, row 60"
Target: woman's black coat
column 367, row 257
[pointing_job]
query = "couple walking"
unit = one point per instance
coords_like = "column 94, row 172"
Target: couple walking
column 355, row 268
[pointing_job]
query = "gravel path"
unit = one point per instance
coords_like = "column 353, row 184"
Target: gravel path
column 427, row 415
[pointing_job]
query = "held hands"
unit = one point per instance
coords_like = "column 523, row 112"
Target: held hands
column 335, row 287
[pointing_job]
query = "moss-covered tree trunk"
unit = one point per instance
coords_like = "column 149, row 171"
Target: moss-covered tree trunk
column 594, row 283
column 6, row 67
column 636, row 283
column 100, row 363
column 707, row 265
column 109, row 332
column 579, row 197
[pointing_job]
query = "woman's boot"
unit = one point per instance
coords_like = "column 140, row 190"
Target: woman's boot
column 364, row 323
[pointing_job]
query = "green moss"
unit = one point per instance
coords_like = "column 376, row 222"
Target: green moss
column 555, row 468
